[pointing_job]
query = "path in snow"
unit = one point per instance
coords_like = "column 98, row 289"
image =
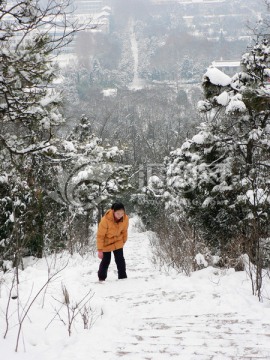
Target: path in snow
column 154, row 316
column 137, row 83
column 149, row 316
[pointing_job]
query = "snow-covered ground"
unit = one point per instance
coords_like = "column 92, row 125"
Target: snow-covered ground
column 150, row 315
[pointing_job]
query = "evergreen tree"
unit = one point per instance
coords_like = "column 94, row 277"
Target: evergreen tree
column 220, row 178
column 28, row 115
column 149, row 202
column 94, row 174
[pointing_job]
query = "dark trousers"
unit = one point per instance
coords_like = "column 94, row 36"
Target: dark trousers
column 120, row 263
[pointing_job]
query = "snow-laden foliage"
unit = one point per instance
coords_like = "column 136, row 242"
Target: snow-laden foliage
column 149, row 202
column 93, row 175
column 28, row 104
column 30, row 34
column 220, row 178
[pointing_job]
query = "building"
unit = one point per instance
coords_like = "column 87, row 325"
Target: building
column 88, row 6
column 229, row 67
column 169, row 2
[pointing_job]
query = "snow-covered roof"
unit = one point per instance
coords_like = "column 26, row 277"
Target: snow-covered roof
column 102, row 14
column 106, row 8
column 226, row 63
column 186, row 1
column 217, row 77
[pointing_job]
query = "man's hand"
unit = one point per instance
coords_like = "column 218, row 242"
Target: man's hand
column 100, row 254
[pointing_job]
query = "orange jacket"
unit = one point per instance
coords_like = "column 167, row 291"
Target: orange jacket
column 111, row 235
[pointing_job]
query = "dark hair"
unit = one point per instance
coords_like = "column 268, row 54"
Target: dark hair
column 117, row 206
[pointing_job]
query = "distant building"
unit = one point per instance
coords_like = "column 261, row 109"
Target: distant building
column 166, row 2
column 96, row 11
column 88, row 6
column 229, row 67
column 88, row 12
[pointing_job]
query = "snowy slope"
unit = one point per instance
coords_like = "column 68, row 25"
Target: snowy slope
column 150, row 315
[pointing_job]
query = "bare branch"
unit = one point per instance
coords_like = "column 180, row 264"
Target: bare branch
column 32, row 302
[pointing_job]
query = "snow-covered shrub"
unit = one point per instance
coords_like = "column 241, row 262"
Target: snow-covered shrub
column 137, row 223
column 220, row 178
column 175, row 245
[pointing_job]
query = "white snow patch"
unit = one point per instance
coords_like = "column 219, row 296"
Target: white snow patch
column 68, row 146
column 236, row 104
column 223, row 99
column 200, row 260
column 200, row 138
column 217, row 77
column 11, row 217
column 150, row 314
column 3, row 179
column 109, row 92
column 257, row 197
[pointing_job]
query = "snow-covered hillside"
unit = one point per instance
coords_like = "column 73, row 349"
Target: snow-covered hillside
column 150, row 315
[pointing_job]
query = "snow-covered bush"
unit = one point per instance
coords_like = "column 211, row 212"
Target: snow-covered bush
column 175, row 245
column 220, row 178
column 31, row 34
